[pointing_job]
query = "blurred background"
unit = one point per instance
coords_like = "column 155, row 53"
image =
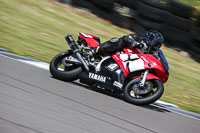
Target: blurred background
column 177, row 20
column 36, row 28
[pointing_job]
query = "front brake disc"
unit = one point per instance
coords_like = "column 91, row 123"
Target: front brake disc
column 143, row 89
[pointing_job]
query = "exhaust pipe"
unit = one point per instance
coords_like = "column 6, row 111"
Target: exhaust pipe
column 74, row 47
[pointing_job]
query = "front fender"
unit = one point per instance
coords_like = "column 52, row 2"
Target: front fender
column 149, row 77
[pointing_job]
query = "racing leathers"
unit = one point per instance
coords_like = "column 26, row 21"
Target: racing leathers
column 116, row 44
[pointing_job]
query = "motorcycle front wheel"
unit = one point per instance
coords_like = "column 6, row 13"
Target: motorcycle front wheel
column 62, row 70
column 152, row 91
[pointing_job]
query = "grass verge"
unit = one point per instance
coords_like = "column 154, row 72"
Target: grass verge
column 36, row 28
column 194, row 3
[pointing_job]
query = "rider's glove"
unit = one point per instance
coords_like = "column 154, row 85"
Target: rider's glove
column 131, row 41
column 135, row 44
column 140, row 45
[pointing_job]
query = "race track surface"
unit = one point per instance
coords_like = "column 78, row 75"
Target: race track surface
column 31, row 101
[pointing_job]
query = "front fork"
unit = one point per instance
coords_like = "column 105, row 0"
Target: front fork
column 72, row 44
column 142, row 83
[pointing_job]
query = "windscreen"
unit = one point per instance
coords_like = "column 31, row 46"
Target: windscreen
column 161, row 57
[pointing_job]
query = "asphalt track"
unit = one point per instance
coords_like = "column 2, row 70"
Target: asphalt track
column 31, row 101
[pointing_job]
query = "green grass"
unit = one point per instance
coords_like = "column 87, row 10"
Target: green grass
column 194, row 3
column 36, row 28
column 183, row 86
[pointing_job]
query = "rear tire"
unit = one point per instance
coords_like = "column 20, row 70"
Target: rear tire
column 143, row 99
column 68, row 74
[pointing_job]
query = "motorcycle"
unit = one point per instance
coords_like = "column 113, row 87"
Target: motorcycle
column 138, row 76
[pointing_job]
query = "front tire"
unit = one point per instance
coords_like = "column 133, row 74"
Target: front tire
column 69, row 73
column 143, row 99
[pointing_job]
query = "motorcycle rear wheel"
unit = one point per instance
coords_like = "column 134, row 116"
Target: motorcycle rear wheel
column 66, row 73
column 143, row 99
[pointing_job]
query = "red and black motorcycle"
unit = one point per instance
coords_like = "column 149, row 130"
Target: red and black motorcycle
column 138, row 76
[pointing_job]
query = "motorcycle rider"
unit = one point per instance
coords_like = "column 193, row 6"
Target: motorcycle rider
column 146, row 42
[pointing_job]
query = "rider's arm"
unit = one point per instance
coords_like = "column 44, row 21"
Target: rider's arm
column 131, row 40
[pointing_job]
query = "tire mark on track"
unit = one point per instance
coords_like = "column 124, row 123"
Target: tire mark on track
column 142, row 127
column 26, row 127
column 16, row 87
column 41, row 115
column 92, row 116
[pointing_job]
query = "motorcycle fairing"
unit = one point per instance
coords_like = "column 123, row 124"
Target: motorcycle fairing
column 143, row 62
column 134, row 63
column 151, row 63
column 91, row 40
column 133, row 50
column 110, row 75
column 122, row 65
